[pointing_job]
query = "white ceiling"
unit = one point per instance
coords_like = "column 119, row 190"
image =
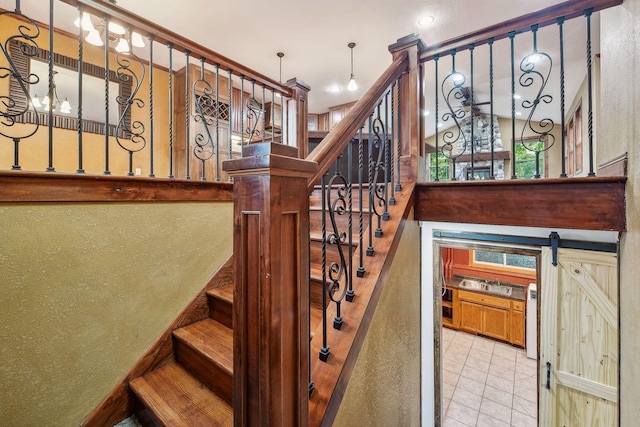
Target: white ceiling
column 314, row 34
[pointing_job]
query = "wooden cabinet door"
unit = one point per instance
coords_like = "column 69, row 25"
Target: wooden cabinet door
column 495, row 322
column 516, row 333
column 470, row 317
column 579, row 339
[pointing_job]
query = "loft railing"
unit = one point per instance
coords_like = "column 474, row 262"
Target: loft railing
column 116, row 94
column 516, row 99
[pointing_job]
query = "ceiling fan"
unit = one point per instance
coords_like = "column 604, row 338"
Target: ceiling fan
column 468, row 102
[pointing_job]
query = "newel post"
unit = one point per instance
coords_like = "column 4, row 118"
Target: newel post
column 297, row 121
column 271, row 279
column 411, row 107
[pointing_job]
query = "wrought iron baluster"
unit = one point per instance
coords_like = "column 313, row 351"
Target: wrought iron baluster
column 170, row 47
column 151, row 127
column 392, row 200
column 471, row 119
column 217, row 113
column 273, row 116
column 436, row 60
column 107, row 126
column 492, row 126
column 350, row 292
column 453, row 97
column 50, row 168
column 241, row 114
column 512, row 36
column 563, row 147
column 204, row 147
column 130, row 135
column 80, row 77
column 399, row 185
column 325, row 351
column 230, row 97
column 533, row 72
column 379, row 204
column 587, row 14
column 264, row 116
column 387, row 157
column 338, row 272
column 27, row 33
column 370, row 250
column 361, row 270
column 187, row 118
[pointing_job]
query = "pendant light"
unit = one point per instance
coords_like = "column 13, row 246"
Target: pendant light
column 352, row 81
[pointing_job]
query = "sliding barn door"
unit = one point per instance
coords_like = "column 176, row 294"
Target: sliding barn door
column 579, row 339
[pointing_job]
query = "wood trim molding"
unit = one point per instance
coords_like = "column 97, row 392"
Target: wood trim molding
column 614, row 167
column 119, row 403
column 57, row 187
column 596, row 203
column 547, row 16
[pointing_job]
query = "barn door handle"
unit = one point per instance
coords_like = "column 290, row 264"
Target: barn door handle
column 548, row 375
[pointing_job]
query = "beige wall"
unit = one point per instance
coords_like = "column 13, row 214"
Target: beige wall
column 34, row 150
column 620, row 129
column 384, row 389
column 86, row 288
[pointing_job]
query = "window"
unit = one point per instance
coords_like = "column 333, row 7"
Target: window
column 443, row 167
column 525, row 158
column 504, row 260
column 573, row 141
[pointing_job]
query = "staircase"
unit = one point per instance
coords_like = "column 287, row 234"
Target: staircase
column 196, row 389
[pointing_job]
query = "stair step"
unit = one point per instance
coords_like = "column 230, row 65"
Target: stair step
column 221, row 305
column 172, row 397
column 205, row 349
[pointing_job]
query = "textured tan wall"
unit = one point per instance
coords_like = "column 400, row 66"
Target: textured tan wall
column 384, row 389
column 620, row 129
column 86, row 288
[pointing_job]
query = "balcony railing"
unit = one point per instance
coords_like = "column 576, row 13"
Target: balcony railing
column 115, row 94
column 516, row 100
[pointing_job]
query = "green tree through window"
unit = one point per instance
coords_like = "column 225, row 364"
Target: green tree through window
column 443, row 167
column 525, row 159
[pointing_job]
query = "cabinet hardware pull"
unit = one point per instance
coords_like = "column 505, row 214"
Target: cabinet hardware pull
column 548, row 375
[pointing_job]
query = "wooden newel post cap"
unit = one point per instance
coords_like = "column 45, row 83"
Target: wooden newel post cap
column 269, row 158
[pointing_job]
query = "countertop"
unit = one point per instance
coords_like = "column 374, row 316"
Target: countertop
column 518, row 293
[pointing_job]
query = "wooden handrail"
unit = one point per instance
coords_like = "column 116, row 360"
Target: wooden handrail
column 547, row 16
column 180, row 43
column 335, row 142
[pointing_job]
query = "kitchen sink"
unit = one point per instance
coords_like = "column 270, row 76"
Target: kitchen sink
column 487, row 287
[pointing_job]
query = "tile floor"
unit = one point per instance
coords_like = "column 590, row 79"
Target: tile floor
column 486, row 383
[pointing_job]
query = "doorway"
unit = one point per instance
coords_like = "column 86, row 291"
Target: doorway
column 485, row 375
column 577, row 306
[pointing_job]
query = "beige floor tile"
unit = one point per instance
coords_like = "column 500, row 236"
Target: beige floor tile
column 519, row 419
column 462, row 413
column 481, row 364
column 474, row 374
column 498, row 396
column 450, row 377
column 495, row 410
column 450, row 422
column 479, row 353
column 452, row 366
column 525, row 390
column 466, row 398
column 505, row 350
column 525, row 406
column 473, row 386
column 502, row 372
column 503, row 362
column 503, row 384
column 487, row 421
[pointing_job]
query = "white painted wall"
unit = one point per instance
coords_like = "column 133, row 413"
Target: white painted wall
column 427, row 285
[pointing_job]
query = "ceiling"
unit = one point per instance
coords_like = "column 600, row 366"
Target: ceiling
column 314, row 34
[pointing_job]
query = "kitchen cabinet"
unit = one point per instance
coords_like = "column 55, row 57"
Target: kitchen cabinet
column 493, row 316
column 517, row 333
column 337, row 112
column 312, row 122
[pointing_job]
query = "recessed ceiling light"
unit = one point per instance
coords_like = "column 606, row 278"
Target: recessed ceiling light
column 334, row 89
column 426, row 112
column 518, row 113
column 516, row 96
column 425, row 21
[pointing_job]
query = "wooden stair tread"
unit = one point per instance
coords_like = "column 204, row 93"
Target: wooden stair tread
column 212, row 339
column 225, row 293
column 178, row 399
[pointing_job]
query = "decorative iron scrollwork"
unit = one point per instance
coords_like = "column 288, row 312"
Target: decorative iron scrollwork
column 536, row 71
column 453, row 96
column 10, row 107
column 202, row 93
column 254, row 112
column 337, row 279
column 129, row 134
column 379, row 202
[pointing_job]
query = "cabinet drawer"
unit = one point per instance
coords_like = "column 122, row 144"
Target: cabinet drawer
column 485, row 299
column 517, row 305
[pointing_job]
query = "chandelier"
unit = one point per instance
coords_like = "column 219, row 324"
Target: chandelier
column 116, row 34
column 52, row 104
